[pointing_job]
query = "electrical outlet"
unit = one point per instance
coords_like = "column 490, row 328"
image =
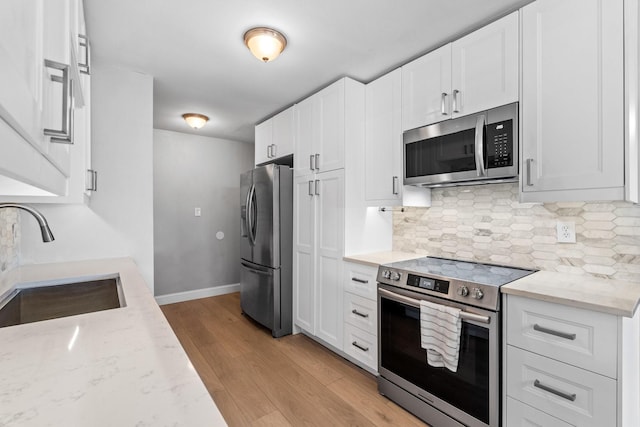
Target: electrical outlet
column 197, row 212
column 566, row 231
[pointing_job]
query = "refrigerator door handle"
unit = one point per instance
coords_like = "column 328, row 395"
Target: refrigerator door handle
column 244, row 215
column 251, row 210
column 253, row 269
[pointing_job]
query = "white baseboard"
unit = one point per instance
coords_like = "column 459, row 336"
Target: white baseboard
column 198, row 293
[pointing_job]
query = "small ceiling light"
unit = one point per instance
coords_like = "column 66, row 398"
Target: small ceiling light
column 194, row 120
column 265, row 43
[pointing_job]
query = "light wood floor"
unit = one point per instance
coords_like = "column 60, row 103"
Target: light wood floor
column 257, row 380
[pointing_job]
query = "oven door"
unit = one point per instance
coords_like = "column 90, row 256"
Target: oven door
column 470, row 395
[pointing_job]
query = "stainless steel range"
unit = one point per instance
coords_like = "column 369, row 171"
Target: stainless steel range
column 470, row 396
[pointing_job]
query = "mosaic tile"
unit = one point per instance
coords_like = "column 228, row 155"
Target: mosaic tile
column 489, row 224
column 9, row 239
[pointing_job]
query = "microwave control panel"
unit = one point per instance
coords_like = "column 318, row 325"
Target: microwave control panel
column 500, row 144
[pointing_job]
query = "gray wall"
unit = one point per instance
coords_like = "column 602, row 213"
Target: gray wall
column 194, row 171
column 119, row 219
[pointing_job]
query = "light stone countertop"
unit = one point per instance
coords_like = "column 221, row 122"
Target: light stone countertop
column 378, row 258
column 608, row 296
column 119, row 367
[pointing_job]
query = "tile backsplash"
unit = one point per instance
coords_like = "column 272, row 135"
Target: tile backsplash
column 488, row 224
column 9, row 239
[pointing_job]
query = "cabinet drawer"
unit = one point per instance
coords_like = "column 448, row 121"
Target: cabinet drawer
column 521, row 415
column 574, row 395
column 361, row 345
column 582, row 338
column 361, row 280
column 361, row 312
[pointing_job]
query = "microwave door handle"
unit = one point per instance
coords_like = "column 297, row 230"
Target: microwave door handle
column 479, row 145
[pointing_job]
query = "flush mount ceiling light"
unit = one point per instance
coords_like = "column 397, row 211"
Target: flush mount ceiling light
column 194, row 120
column 265, row 43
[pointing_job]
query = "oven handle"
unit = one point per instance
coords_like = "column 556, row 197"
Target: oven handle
column 416, row 303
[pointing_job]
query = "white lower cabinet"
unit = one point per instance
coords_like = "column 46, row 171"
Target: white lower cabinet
column 360, row 315
column 521, row 415
column 318, row 250
column 361, row 346
column 568, row 366
column 575, row 395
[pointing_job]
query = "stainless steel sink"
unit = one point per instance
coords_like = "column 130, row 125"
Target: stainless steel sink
column 37, row 303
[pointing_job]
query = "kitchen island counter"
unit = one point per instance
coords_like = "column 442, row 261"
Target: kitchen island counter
column 118, row 367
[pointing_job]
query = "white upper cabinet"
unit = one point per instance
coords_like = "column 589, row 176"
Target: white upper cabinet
column 383, row 146
column 477, row 72
column 572, row 105
column 275, row 137
column 320, row 130
column 485, row 67
column 426, row 89
column 40, row 89
column 383, row 140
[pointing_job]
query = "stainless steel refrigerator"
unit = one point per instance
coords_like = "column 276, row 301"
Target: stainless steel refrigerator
column 266, row 217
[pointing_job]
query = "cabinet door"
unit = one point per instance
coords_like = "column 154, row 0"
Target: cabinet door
column 264, row 132
column 22, row 104
column 305, row 113
column 330, row 243
column 485, row 67
column 304, row 252
column 283, row 133
column 426, row 89
column 383, row 140
column 572, row 98
column 330, row 147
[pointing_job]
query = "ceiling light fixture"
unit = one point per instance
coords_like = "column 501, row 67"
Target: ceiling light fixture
column 194, row 120
column 265, row 43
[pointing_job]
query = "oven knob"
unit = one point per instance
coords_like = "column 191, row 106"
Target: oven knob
column 477, row 293
column 386, row 274
column 395, row 276
column 463, row 291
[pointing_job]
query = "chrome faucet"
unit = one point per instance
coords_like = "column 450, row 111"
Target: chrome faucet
column 47, row 235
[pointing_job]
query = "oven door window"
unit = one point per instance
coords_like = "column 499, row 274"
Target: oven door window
column 401, row 353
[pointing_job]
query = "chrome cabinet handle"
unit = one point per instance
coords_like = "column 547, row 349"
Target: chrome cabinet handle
column 311, row 165
column 355, row 344
column 359, row 280
column 268, row 151
column 528, row 163
column 311, row 188
column 571, row 397
column 317, row 156
column 455, row 101
column 479, row 146
column 357, row 313
column 92, row 178
column 317, row 189
column 85, row 67
column 274, row 150
column 443, row 104
column 394, row 185
column 560, row 334
column 64, row 135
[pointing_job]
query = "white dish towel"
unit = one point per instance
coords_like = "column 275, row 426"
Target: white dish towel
column 440, row 334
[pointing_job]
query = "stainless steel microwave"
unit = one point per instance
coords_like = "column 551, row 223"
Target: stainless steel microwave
column 474, row 149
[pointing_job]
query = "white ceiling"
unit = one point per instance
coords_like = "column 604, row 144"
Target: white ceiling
column 195, row 51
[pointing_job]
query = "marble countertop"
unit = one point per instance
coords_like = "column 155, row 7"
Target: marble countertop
column 119, row 367
column 609, row 296
column 378, row 258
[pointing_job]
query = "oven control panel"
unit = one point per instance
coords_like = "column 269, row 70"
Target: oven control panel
column 436, row 285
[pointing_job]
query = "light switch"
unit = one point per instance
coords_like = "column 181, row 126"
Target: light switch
column 197, row 212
